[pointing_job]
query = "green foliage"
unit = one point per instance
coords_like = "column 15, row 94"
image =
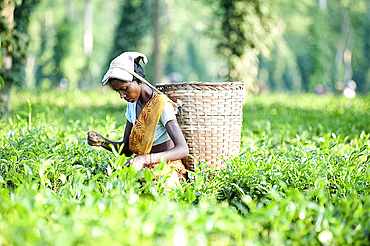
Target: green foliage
column 135, row 24
column 309, row 49
column 246, row 30
column 57, row 42
column 53, row 53
column 302, row 177
column 17, row 38
column 362, row 56
column 302, row 37
column 62, row 47
column 320, row 50
column 190, row 49
column 1, row 63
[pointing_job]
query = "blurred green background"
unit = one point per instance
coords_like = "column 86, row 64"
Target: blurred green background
column 303, row 173
column 317, row 46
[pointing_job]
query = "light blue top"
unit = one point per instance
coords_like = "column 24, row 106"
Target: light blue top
column 161, row 134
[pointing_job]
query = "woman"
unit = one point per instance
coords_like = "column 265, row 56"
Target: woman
column 152, row 131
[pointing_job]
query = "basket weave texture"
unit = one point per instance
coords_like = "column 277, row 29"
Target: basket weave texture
column 210, row 118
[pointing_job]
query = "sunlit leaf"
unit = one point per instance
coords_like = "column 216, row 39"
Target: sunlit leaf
column 148, row 175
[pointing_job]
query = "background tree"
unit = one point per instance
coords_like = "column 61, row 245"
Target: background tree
column 361, row 65
column 188, row 48
column 54, row 50
column 281, row 44
column 63, row 38
column 88, row 45
column 320, row 48
column 133, row 26
column 14, row 23
column 59, row 36
column 246, row 31
column 323, row 41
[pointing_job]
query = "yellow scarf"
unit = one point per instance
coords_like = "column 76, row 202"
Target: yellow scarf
column 143, row 132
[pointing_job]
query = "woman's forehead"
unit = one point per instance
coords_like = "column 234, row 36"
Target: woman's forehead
column 117, row 83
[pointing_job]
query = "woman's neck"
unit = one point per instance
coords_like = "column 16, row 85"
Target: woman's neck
column 146, row 94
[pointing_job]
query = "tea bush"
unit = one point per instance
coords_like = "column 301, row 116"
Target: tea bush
column 302, row 177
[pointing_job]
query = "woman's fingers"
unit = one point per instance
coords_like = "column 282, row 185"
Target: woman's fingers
column 136, row 162
column 92, row 142
column 92, row 134
column 94, row 139
column 138, row 166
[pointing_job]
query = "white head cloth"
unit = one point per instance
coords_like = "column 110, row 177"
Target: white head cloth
column 120, row 66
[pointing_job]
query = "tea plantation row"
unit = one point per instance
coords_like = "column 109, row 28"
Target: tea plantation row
column 302, row 177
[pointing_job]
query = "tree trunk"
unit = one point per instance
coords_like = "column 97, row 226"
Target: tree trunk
column 88, row 28
column 345, row 46
column 5, row 102
column 158, row 71
column 8, row 14
column 88, row 44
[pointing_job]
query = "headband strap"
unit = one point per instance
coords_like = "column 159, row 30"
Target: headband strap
column 177, row 105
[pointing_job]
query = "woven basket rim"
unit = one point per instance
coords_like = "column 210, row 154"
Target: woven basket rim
column 202, row 83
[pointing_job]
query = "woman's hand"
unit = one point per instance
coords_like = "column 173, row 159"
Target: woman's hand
column 138, row 162
column 95, row 139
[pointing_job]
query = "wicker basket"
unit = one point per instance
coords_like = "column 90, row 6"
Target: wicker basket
column 210, row 118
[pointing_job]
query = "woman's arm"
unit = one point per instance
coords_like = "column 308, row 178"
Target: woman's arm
column 95, row 139
column 117, row 145
column 180, row 150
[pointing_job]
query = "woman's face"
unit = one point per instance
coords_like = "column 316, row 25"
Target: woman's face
column 130, row 91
